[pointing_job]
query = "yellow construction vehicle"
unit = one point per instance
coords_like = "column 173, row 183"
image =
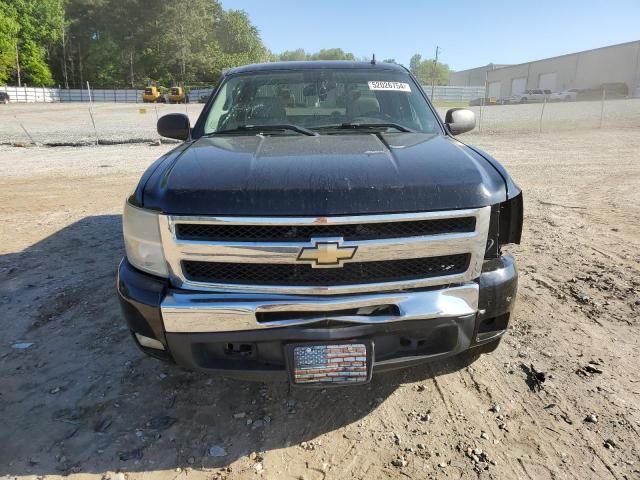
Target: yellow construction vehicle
column 178, row 95
column 152, row 95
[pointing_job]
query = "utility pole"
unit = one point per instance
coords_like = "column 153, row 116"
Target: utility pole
column 433, row 71
column 80, row 66
column 64, row 58
column 184, row 55
column 18, row 64
column 131, row 67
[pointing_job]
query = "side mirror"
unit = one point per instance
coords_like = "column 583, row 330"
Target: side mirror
column 460, row 120
column 175, row 125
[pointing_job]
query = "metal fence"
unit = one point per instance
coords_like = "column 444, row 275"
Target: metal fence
column 454, row 94
column 102, row 95
column 65, row 123
column 113, row 95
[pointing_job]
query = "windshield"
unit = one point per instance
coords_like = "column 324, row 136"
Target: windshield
column 320, row 100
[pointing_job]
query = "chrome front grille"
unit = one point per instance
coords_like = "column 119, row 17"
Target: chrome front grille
column 351, row 273
column 386, row 252
column 302, row 233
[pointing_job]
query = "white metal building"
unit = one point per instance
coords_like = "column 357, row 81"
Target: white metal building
column 472, row 77
column 587, row 69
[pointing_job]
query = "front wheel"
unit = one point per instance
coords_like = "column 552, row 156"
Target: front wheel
column 523, row 100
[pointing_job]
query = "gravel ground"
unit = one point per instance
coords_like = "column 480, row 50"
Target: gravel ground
column 71, row 123
column 557, row 116
column 67, row 123
column 79, row 399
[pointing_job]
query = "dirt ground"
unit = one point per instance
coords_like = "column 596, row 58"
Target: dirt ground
column 77, row 398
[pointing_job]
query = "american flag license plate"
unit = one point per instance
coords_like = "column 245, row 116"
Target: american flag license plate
column 331, row 364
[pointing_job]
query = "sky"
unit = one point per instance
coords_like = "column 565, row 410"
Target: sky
column 469, row 34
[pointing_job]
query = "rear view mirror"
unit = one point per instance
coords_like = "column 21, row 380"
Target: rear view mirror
column 175, row 125
column 460, row 120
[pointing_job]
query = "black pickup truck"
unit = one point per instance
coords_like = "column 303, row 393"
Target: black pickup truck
column 319, row 223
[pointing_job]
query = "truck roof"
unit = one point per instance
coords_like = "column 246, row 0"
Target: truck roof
column 315, row 65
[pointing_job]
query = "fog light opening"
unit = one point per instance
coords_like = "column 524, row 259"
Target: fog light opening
column 239, row 349
column 149, row 342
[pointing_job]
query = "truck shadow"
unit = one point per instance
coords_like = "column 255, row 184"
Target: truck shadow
column 82, row 398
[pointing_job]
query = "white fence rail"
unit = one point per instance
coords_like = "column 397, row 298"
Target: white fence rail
column 454, row 94
column 43, row 94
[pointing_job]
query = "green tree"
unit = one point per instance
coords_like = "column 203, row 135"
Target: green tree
column 136, row 42
column 324, row 54
column 290, row 56
column 31, row 28
column 332, row 54
column 236, row 35
column 9, row 29
column 415, row 61
column 428, row 71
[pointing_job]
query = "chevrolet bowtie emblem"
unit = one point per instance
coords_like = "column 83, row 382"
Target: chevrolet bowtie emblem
column 326, row 254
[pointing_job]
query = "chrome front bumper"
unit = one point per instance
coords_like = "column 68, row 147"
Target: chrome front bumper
column 226, row 332
column 208, row 313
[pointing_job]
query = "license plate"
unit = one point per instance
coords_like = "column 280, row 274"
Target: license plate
column 331, row 364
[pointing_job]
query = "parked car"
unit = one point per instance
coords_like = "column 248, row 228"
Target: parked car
column 318, row 242
column 564, row 96
column 533, row 95
column 4, row 97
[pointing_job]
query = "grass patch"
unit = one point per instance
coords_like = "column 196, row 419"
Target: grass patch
column 450, row 103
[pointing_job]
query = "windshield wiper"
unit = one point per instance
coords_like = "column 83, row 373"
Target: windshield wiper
column 367, row 126
column 267, row 128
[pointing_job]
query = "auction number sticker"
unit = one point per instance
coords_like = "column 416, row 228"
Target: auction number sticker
column 390, row 86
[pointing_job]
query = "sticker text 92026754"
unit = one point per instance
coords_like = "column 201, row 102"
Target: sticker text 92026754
column 390, row 86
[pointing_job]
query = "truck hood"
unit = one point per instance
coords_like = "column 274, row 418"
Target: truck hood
column 341, row 174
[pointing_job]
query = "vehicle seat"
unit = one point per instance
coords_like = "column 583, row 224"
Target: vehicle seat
column 287, row 98
column 363, row 107
column 268, row 109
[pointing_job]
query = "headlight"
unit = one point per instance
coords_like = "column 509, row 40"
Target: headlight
column 142, row 240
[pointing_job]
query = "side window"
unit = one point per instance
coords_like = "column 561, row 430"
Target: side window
column 219, row 109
